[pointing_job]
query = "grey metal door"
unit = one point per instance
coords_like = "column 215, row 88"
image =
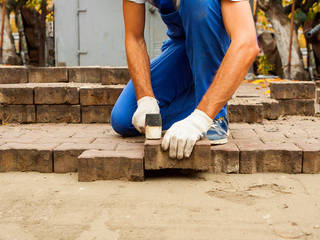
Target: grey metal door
column 101, row 33
column 91, row 32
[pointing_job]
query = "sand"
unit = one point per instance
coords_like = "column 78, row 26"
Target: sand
column 203, row 206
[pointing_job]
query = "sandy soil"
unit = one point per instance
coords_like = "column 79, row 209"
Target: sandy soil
column 259, row 207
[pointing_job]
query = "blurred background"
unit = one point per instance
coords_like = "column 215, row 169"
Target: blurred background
column 91, row 33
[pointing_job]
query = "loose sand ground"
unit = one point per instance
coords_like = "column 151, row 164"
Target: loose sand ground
column 202, row 206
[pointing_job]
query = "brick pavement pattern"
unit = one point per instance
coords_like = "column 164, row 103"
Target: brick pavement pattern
column 290, row 145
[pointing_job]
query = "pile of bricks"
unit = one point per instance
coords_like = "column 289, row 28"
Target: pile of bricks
column 56, row 95
column 286, row 98
column 103, row 75
column 294, row 97
column 87, row 95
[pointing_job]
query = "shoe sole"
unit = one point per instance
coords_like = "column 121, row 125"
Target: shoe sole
column 219, row 142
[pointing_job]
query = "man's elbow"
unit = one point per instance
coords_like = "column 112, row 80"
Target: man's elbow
column 134, row 40
column 248, row 47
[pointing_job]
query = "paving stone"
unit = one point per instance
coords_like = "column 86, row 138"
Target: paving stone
column 311, row 157
column 304, row 107
column 48, row 75
column 257, row 157
column 244, row 134
column 10, row 75
column 245, row 110
column 106, row 95
column 58, row 114
column 272, row 137
column 56, row 94
column 16, row 94
column 66, row 155
column 117, row 75
column 109, row 165
column 26, row 157
column 85, row 74
column 156, row 159
column 292, row 90
column 17, row 113
column 224, row 158
column 76, row 139
column 23, row 139
column 96, row 114
column 127, row 146
column 271, row 109
column 119, row 139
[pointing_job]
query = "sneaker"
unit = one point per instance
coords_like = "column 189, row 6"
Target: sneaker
column 219, row 131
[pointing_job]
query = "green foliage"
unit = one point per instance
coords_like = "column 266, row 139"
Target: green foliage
column 264, row 67
column 314, row 10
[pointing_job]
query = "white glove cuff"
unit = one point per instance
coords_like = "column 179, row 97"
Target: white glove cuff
column 147, row 100
column 201, row 120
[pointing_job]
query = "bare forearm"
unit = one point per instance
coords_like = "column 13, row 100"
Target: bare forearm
column 139, row 67
column 231, row 73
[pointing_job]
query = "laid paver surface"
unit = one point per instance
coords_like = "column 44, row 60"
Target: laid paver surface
column 288, row 145
column 290, row 129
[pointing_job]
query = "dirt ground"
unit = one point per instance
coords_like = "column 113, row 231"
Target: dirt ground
column 201, row 206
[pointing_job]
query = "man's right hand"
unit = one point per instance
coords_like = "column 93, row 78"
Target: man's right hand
column 146, row 105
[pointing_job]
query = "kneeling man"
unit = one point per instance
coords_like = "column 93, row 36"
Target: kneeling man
column 211, row 45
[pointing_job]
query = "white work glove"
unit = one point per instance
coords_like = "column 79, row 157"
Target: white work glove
column 183, row 135
column 146, row 105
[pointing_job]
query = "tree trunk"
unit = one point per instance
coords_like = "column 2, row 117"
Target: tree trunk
column 281, row 25
column 9, row 55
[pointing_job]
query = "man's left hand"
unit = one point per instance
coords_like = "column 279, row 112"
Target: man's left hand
column 183, row 135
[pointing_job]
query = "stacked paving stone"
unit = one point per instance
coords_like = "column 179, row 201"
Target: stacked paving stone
column 294, row 97
column 87, row 95
column 286, row 98
column 59, row 95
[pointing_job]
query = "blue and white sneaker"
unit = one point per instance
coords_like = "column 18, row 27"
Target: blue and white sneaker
column 219, row 131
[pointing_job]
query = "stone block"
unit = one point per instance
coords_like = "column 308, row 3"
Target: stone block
column 224, row 158
column 18, row 113
column 106, row 95
column 129, row 146
column 48, row 75
column 10, row 75
column 58, row 114
column 16, row 94
column 96, row 114
column 271, row 109
column 304, row 107
column 256, row 157
column 311, row 157
column 85, row 74
column 292, row 90
column 245, row 110
column 318, row 96
column 244, row 133
column 56, row 94
column 114, row 75
column 109, row 165
column 156, row 159
column 26, row 157
column 66, row 155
